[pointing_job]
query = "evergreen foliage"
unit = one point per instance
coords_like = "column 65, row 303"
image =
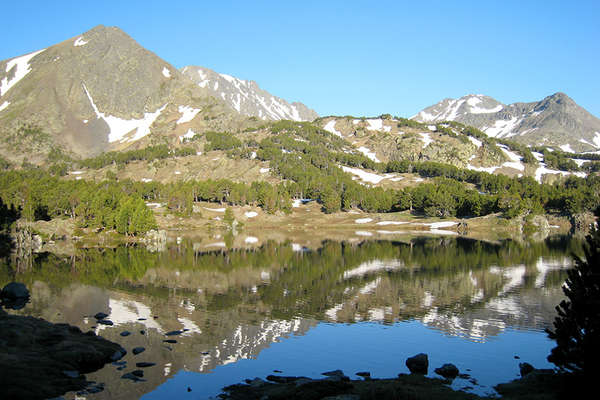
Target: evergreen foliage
column 577, row 326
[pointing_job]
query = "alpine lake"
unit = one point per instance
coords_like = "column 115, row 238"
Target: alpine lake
column 281, row 308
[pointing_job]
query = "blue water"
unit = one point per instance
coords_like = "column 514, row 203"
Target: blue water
column 377, row 348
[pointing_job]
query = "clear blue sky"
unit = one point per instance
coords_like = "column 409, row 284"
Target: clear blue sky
column 350, row 57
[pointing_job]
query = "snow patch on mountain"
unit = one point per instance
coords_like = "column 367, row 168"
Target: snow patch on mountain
column 367, row 152
column 79, row 42
column 22, row 68
column 4, row 105
column 426, row 139
column 502, row 128
column 330, row 127
column 187, row 114
column 566, row 148
column 120, row 127
column 166, row 72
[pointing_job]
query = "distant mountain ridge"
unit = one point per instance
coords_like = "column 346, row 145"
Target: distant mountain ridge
column 555, row 121
column 247, row 98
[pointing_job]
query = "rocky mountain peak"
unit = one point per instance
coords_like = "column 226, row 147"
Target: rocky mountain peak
column 246, row 97
column 553, row 121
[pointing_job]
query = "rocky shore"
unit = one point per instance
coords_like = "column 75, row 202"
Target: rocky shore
column 335, row 385
column 41, row 360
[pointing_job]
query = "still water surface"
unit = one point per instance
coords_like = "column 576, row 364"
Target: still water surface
column 357, row 307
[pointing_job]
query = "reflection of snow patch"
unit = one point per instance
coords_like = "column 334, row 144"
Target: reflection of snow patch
column 370, row 267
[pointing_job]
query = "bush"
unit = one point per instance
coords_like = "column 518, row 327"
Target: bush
column 577, row 326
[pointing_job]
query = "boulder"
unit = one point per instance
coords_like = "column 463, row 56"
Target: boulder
column 14, row 296
column 14, row 291
column 418, row 364
column 448, row 371
column 525, row 368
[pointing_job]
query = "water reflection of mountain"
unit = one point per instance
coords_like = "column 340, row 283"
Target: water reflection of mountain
column 234, row 304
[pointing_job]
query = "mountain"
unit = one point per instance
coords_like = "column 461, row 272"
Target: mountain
column 556, row 121
column 99, row 91
column 247, row 98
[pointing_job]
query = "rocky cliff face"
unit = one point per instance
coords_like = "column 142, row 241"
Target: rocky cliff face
column 554, row 121
column 247, row 98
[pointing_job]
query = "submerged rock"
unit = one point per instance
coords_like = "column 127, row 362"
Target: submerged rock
column 418, row 364
column 138, row 350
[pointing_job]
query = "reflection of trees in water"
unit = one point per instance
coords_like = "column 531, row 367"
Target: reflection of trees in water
column 378, row 280
column 243, row 300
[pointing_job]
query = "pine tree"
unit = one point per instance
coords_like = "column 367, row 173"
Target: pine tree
column 577, row 326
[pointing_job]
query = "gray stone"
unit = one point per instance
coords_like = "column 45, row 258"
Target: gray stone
column 100, row 315
column 449, row 371
column 525, row 368
column 145, row 364
column 418, row 364
column 14, row 291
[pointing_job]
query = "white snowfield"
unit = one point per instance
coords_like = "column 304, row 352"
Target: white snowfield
column 426, row 139
column 250, row 214
column 166, row 72
column 363, row 233
column 473, row 102
column 367, row 152
column 392, row 223
column 22, row 68
column 566, row 148
column 330, row 127
column 120, row 127
column 251, row 240
column 187, row 114
column 475, row 141
column 363, row 220
column 502, row 127
column 366, row 176
column 188, row 135
column 4, row 105
column 79, row 42
column 264, row 170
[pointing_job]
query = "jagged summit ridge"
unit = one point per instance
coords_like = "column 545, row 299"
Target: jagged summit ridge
column 555, row 121
column 246, row 97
